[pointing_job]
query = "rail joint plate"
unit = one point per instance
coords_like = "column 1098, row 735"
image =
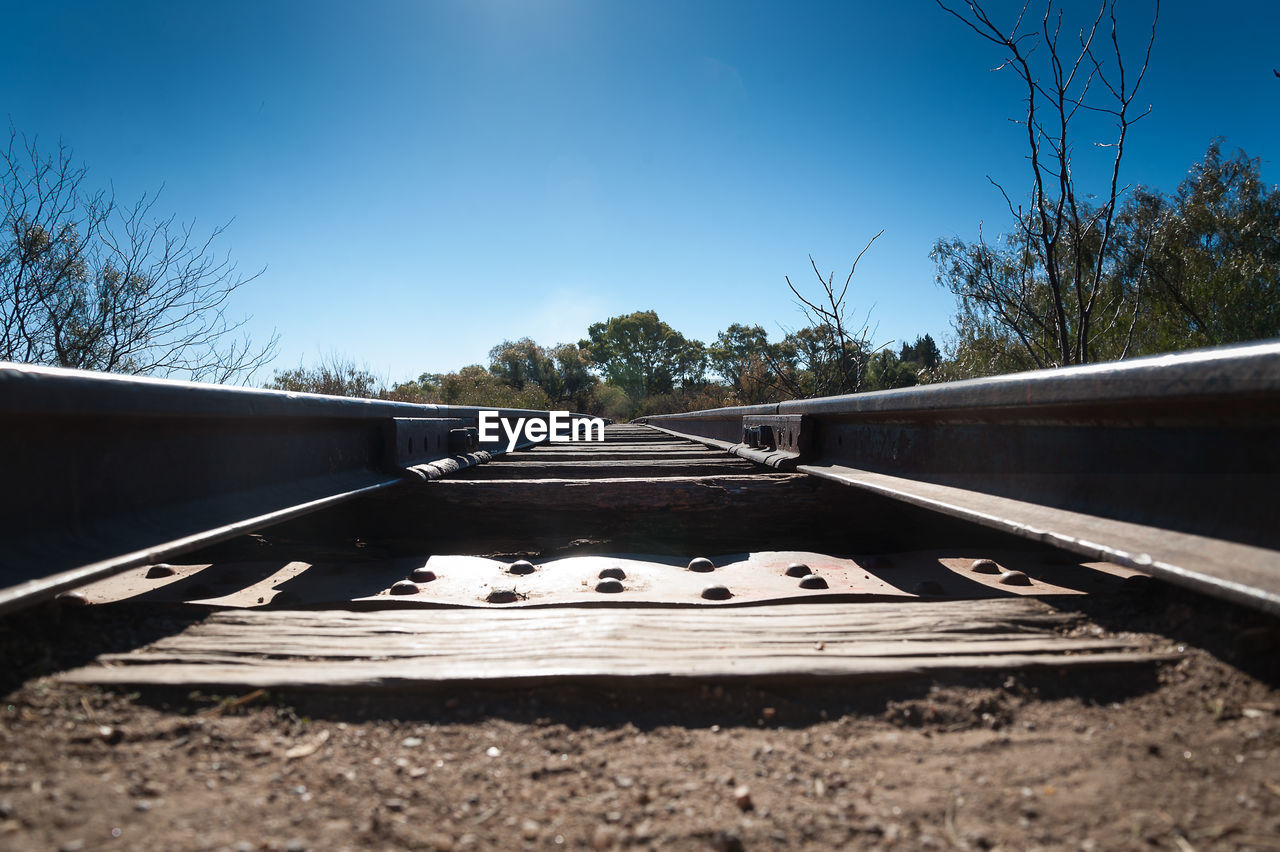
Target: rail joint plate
column 778, row 440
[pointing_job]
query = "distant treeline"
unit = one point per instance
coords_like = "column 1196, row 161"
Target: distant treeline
column 637, row 364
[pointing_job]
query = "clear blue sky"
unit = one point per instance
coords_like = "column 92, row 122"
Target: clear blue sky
column 425, row 179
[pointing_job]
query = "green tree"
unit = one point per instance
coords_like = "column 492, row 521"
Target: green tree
column 334, row 375
column 524, row 362
column 1206, row 261
column 887, row 371
column 562, row 372
column 1199, row 268
column 577, row 384
column 923, row 353
column 751, row 365
column 475, row 385
column 820, row 360
column 642, row 355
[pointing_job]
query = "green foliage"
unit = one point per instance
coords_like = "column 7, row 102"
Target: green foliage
column 820, row 360
column 1206, row 261
column 611, row 401
column 577, row 384
column 923, row 353
column 335, row 376
column 1200, row 268
column 523, row 363
column 743, row 356
column 643, row 355
column 473, row 385
column 887, row 371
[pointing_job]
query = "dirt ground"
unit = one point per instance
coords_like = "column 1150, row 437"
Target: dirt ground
column 1182, row 756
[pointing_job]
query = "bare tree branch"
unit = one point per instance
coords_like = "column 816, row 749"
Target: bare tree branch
column 88, row 283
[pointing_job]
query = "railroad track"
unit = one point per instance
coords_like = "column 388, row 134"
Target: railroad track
column 801, row 529
column 930, row 617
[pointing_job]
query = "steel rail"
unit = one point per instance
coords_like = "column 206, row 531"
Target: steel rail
column 106, row 472
column 1169, row 464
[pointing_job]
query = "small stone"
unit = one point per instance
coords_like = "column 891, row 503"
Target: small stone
column 717, row 593
column 411, row 742
column 110, row 735
column 609, row 587
column 404, row 587
column 529, row 829
column 984, row 566
column 521, row 566
column 768, row 713
column 813, row 581
column 394, row 804
column 1014, row 578
column 613, row 573
column 159, row 570
column 742, row 798
column 493, row 751
column 422, row 575
column 142, row 806
column 702, row 565
column 796, row 569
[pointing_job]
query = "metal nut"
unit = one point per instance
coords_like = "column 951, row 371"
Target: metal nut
column 717, row 593
column 159, row 570
column 813, row 581
column 797, row 569
column 400, row 587
column 984, row 566
column 422, row 575
column 928, row 588
column 613, row 573
column 609, row 586
column 1014, row 578
column 702, row 565
column 521, row 566
column 501, row 596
